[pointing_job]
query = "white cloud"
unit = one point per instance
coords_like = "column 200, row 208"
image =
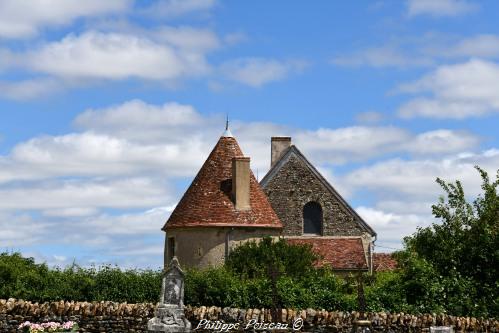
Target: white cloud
column 484, row 46
column 369, row 117
column 20, row 229
column 114, row 56
column 71, row 212
column 421, row 51
column 358, row 143
column 256, row 72
column 173, row 8
column 441, row 142
column 459, row 91
column 24, row 18
column 415, row 179
column 149, row 222
column 30, row 88
column 137, row 120
column 440, row 8
column 187, row 38
column 89, row 154
column 140, row 139
column 122, row 193
column 350, row 143
column 384, row 56
column 166, row 54
column 390, row 227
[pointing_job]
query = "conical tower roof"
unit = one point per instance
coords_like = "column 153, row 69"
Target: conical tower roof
column 207, row 202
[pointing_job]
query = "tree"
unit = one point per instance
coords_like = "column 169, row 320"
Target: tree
column 255, row 259
column 457, row 260
column 272, row 260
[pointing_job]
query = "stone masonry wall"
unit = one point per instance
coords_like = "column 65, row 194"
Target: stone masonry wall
column 294, row 186
column 123, row 317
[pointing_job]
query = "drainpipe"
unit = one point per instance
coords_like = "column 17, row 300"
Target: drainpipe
column 227, row 243
column 371, row 250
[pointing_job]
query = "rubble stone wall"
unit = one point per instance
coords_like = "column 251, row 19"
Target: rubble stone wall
column 293, row 187
column 123, row 317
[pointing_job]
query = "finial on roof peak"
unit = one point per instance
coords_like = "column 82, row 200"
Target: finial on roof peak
column 227, row 132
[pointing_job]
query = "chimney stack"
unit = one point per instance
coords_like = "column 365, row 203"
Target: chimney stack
column 241, row 182
column 279, row 144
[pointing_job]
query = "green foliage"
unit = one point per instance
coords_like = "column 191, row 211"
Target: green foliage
column 221, row 287
column 23, row 278
column 454, row 265
column 384, row 292
column 252, row 259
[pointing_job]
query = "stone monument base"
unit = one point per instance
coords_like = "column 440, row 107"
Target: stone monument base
column 168, row 318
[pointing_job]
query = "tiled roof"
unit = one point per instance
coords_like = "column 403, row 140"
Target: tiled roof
column 340, row 253
column 384, row 262
column 207, row 202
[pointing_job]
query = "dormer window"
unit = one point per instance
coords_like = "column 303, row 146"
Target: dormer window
column 312, row 218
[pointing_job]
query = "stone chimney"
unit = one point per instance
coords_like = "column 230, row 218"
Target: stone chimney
column 279, row 144
column 241, row 182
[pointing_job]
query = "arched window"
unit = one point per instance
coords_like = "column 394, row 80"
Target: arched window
column 312, row 218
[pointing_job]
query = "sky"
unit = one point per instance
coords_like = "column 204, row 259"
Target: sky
column 109, row 108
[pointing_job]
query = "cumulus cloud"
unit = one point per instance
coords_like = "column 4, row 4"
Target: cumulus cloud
column 30, row 88
column 458, row 91
column 441, row 142
column 391, row 228
column 256, row 72
column 137, row 120
column 136, row 138
column 438, row 8
column 369, row 117
column 187, row 38
column 25, row 18
column 173, row 8
column 114, row 56
column 383, row 56
column 483, row 46
column 122, row 193
column 395, row 178
column 27, row 230
column 421, row 51
column 358, row 143
column 165, row 53
column 89, row 154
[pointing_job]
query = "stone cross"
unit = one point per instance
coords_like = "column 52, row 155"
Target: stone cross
column 169, row 315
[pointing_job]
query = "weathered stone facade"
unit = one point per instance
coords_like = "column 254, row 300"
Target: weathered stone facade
column 293, row 186
column 208, row 246
column 123, row 317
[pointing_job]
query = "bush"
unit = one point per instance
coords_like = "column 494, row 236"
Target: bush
column 257, row 259
column 23, row 278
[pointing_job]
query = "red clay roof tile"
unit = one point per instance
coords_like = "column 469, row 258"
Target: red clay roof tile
column 207, row 202
column 384, row 262
column 340, row 253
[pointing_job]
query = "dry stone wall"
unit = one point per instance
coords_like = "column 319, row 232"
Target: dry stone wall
column 123, row 317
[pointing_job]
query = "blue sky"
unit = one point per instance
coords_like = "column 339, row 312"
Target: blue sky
column 109, row 108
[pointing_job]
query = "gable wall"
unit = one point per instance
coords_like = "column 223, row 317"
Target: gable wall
column 292, row 187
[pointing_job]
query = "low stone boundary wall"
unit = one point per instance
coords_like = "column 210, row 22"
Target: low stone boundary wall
column 123, row 317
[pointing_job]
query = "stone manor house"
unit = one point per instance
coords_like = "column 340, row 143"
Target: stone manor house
column 225, row 206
